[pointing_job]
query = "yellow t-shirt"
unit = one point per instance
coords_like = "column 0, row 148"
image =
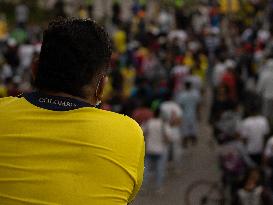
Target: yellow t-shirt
column 129, row 79
column 3, row 29
column 60, row 151
column 119, row 39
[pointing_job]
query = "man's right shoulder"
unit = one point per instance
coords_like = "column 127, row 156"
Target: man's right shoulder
column 119, row 119
column 120, row 129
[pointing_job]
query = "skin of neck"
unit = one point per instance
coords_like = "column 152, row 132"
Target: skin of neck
column 93, row 92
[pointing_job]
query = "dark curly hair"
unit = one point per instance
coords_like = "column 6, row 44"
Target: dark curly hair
column 74, row 51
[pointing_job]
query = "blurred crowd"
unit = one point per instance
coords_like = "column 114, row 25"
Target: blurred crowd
column 166, row 58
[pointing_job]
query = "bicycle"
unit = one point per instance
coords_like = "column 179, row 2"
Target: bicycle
column 204, row 192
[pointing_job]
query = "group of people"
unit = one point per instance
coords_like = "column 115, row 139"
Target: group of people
column 161, row 68
column 241, row 110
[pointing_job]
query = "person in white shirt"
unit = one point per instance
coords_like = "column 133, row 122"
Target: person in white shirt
column 25, row 54
column 254, row 130
column 265, row 89
column 253, row 192
column 196, row 82
column 218, row 72
column 165, row 21
column 180, row 35
column 157, row 139
column 21, row 14
column 172, row 114
column 179, row 73
column 189, row 101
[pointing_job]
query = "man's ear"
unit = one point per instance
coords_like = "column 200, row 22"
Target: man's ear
column 100, row 87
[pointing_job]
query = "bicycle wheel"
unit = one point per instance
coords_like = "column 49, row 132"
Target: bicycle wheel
column 204, row 193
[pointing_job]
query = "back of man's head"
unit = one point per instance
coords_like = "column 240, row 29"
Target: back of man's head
column 74, row 52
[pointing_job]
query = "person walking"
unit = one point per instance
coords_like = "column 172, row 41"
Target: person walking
column 189, row 100
column 157, row 134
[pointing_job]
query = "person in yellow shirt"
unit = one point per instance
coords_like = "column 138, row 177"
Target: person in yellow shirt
column 3, row 27
column 57, row 148
column 129, row 76
column 119, row 39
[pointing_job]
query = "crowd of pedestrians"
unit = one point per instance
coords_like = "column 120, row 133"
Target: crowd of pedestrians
column 162, row 66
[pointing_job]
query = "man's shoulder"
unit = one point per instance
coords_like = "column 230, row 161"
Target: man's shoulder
column 116, row 116
column 119, row 121
column 121, row 129
column 255, row 119
column 8, row 100
column 248, row 121
column 252, row 121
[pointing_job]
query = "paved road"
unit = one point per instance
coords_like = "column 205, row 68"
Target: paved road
column 199, row 163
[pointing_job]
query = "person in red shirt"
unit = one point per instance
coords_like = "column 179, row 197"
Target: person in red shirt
column 229, row 80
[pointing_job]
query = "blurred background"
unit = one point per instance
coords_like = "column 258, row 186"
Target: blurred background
column 197, row 75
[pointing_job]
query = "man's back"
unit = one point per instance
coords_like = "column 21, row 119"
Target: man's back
column 189, row 101
column 155, row 140
column 254, row 129
column 78, row 156
column 265, row 83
